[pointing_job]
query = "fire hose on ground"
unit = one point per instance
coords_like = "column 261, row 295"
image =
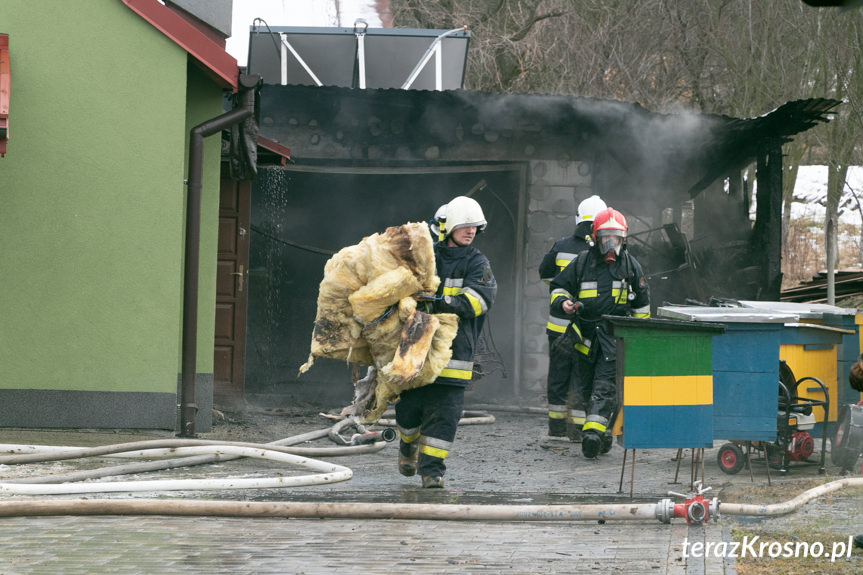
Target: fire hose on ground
column 192, row 452
column 695, row 510
column 467, row 418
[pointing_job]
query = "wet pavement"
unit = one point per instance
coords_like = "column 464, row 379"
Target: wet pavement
column 503, row 463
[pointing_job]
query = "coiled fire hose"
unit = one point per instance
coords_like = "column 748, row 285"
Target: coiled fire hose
column 201, row 451
column 695, row 509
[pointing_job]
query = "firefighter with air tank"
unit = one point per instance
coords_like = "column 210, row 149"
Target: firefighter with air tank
column 565, row 401
column 603, row 280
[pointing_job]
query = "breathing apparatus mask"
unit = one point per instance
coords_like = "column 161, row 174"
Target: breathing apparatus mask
column 609, row 244
column 609, row 231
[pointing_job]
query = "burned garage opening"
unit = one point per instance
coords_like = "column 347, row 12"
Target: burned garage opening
column 369, row 159
column 302, row 215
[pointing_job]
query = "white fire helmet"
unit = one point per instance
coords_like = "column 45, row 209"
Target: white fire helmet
column 435, row 223
column 588, row 209
column 460, row 212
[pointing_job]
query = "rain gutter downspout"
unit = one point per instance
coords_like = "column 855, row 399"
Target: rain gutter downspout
column 188, row 405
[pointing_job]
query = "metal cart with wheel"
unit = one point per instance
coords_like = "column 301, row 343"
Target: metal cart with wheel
column 794, row 420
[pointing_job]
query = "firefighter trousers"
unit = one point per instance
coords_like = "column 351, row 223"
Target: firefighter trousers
column 565, row 393
column 598, row 374
column 428, row 416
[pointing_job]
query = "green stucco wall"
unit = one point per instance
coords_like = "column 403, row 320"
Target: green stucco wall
column 93, row 206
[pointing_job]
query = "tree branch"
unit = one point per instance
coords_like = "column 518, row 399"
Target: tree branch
column 521, row 34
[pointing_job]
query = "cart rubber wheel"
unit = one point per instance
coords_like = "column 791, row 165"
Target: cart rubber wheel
column 730, row 458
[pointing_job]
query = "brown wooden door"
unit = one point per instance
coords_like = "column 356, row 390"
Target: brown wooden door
column 231, row 288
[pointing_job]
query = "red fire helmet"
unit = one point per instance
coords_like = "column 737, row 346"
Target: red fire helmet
column 611, row 221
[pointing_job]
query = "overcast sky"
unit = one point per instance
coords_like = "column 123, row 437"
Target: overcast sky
column 325, row 13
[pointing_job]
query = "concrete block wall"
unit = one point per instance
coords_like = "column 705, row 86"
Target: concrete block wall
column 555, row 189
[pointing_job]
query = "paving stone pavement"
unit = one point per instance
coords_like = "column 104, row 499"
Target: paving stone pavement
column 501, row 463
column 96, row 544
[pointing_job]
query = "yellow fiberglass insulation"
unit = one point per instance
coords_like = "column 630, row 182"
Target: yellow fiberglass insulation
column 367, row 315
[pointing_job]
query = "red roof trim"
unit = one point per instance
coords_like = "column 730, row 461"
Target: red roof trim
column 213, row 58
column 274, row 147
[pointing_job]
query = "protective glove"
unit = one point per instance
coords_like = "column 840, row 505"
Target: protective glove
column 577, row 307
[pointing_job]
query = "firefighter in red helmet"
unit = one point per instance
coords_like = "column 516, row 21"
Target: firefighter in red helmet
column 604, row 280
column 565, row 399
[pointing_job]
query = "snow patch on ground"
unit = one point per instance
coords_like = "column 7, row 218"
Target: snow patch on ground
column 810, row 194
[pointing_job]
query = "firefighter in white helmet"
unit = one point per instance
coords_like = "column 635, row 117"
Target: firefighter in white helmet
column 565, row 398
column 427, row 416
column 604, row 280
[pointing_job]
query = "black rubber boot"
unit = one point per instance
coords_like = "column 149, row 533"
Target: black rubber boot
column 408, row 454
column 432, row 482
column 607, row 442
column 591, row 443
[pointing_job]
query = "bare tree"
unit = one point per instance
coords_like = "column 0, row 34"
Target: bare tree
column 733, row 57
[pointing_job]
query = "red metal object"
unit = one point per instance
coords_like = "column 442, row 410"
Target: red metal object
column 5, row 90
column 801, row 447
column 208, row 54
column 276, row 148
column 694, row 510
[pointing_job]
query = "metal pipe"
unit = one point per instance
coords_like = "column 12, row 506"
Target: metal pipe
column 432, row 49
column 188, row 405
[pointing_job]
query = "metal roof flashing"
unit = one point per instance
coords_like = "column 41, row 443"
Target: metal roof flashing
column 211, row 57
column 726, row 314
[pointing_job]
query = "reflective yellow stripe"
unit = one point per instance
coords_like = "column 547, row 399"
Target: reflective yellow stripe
column 560, row 293
column 641, row 311
column 409, row 438
column 556, row 324
column 594, row 425
column 456, row 373
column 475, row 302
column 576, row 420
column 555, row 328
column 556, row 414
column 641, row 315
column 619, row 296
column 563, row 258
column 587, row 293
column 450, row 290
column 434, row 451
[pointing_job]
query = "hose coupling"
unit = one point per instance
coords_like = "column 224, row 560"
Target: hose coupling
column 387, row 434
column 695, row 508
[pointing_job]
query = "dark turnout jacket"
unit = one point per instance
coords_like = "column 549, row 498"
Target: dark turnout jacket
column 467, row 289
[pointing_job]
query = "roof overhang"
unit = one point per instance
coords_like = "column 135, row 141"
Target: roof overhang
column 280, row 152
column 211, row 57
